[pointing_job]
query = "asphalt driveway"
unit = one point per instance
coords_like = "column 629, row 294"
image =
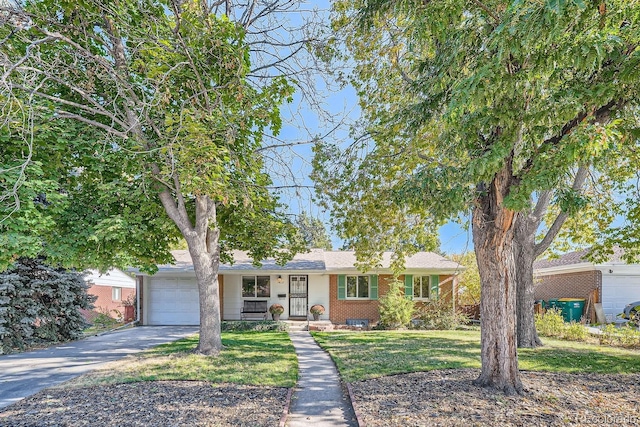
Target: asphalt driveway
column 24, row 374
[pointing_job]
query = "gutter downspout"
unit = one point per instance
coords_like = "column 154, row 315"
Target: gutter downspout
column 139, row 280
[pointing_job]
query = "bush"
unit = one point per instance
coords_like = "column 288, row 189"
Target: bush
column 396, row 311
column 103, row 319
column 438, row 314
column 262, row 326
column 608, row 335
column 629, row 336
column 550, row 324
column 41, row 304
column 575, row 331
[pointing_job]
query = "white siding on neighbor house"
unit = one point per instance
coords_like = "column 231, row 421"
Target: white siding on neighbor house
column 171, row 301
column 112, row 277
column 618, row 291
column 233, row 301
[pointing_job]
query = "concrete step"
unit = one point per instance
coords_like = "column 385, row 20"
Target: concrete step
column 313, row 325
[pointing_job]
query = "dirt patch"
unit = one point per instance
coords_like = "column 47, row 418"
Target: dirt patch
column 436, row 398
column 448, row 398
column 161, row 403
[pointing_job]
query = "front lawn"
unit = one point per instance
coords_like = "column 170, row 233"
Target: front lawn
column 249, row 358
column 364, row 355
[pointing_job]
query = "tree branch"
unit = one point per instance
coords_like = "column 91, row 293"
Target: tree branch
column 484, row 7
column 578, row 182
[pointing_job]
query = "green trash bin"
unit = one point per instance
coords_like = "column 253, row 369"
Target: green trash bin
column 572, row 308
column 553, row 303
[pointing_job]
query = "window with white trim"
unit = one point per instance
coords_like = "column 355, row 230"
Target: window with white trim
column 358, row 287
column 421, row 286
column 116, row 293
column 256, row 286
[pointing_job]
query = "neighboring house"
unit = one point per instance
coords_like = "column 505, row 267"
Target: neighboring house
column 613, row 283
column 112, row 289
column 330, row 278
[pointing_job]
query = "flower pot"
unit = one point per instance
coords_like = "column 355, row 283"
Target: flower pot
column 316, row 316
column 275, row 316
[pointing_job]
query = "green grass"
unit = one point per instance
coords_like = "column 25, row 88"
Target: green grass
column 253, row 358
column 373, row 354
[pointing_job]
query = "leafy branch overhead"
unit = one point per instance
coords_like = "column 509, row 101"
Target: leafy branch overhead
column 164, row 89
column 503, row 111
column 449, row 89
column 162, row 119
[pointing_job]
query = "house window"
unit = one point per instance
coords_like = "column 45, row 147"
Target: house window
column 357, row 287
column 421, row 285
column 116, row 294
column 256, row 286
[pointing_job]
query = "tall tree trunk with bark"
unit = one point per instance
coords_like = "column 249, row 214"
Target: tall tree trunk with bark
column 527, row 251
column 493, row 238
column 206, row 264
column 524, row 243
column 204, row 247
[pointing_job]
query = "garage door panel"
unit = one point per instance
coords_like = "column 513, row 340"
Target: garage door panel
column 618, row 291
column 173, row 302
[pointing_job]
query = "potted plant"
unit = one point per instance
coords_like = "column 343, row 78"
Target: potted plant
column 276, row 310
column 317, row 310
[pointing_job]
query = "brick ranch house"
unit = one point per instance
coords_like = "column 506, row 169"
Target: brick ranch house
column 613, row 283
column 330, row 278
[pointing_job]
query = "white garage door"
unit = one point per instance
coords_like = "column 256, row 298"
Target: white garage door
column 173, row 302
column 618, row 291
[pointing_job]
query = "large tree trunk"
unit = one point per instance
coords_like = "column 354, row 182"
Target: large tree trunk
column 525, row 256
column 493, row 238
column 204, row 247
column 206, row 265
column 527, row 251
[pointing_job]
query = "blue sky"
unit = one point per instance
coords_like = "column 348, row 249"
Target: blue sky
column 302, row 123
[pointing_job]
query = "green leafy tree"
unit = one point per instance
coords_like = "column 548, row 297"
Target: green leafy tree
column 154, row 109
column 313, row 232
column 468, row 279
column 497, row 108
column 39, row 303
column 396, row 310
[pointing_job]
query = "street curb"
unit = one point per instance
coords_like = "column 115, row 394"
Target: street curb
column 353, row 405
column 285, row 411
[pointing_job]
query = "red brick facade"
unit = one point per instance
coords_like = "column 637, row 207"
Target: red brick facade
column 105, row 302
column 341, row 310
column 568, row 285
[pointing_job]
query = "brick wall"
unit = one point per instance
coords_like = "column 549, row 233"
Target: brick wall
column 105, row 302
column 341, row 310
column 568, row 285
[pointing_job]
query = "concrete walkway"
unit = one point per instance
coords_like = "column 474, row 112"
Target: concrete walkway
column 318, row 399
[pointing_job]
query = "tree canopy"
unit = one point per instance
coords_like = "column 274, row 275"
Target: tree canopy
column 485, row 107
column 156, row 119
column 313, row 232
